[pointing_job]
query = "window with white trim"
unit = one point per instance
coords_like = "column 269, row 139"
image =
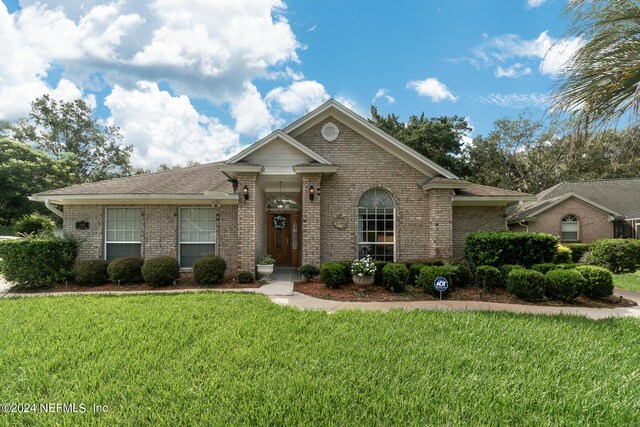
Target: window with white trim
column 197, row 234
column 376, row 225
column 570, row 227
column 123, row 232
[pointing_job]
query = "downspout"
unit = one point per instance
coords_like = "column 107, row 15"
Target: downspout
column 522, row 224
column 49, row 206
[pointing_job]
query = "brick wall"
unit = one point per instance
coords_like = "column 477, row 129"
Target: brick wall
column 364, row 165
column 91, row 240
column 593, row 223
column 160, row 230
column 440, row 223
column 227, row 237
column 312, row 227
column 467, row 219
column 247, row 220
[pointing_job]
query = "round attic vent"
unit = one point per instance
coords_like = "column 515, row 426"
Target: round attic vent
column 330, row 132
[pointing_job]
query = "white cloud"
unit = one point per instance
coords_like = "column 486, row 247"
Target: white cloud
column 432, row 88
column 311, row 29
column 300, row 97
column 516, row 100
column 559, row 56
column 516, row 70
column 531, row 4
column 167, row 129
column 251, row 113
column 383, row 93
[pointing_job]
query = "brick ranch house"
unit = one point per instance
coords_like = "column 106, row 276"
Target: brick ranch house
column 330, row 186
column 582, row 211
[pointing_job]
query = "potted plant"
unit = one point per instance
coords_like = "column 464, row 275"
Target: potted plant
column 265, row 266
column 363, row 271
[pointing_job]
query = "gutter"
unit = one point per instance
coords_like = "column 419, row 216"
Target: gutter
column 523, row 224
column 49, row 206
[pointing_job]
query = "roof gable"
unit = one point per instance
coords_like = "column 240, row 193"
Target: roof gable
column 369, row 131
column 532, row 210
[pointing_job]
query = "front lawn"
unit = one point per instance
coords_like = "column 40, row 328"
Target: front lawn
column 629, row 281
column 228, row 359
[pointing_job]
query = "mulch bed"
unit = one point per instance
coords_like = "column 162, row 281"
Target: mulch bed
column 182, row 283
column 352, row 292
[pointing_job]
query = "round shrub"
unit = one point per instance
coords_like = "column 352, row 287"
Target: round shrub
column 126, row 269
column 346, row 264
column 599, row 281
column 617, row 255
column 488, row 277
column 506, row 269
column 333, row 274
column 563, row 285
column 378, row 280
column 429, row 274
column 526, row 284
column 544, row 268
column 562, row 255
column 161, row 271
column 245, row 277
column 395, row 276
column 35, row 224
column 309, row 271
column 460, row 273
column 414, row 272
column 209, row 270
column 91, row 272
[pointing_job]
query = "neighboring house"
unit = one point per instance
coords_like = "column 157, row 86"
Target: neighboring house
column 330, row 186
column 583, row 211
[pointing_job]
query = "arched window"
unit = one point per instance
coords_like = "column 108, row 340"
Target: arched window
column 570, row 227
column 376, row 225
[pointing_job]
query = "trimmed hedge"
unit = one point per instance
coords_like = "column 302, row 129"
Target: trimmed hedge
column 599, row 281
column 245, row 277
column 563, row 285
column 506, row 269
column 497, row 248
column 488, row 277
column 210, row 270
column 617, row 255
column 39, row 261
column 333, row 274
column 562, row 255
column 161, row 271
column 414, row 272
column 547, row 267
column 126, row 269
column 578, row 250
column 526, row 284
column 395, row 276
column 91, row 272
column 460, row 273
column 378, row 278
column 308, row 271
column 36, row 224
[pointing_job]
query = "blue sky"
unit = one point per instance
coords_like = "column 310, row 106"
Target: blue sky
column 197, row 80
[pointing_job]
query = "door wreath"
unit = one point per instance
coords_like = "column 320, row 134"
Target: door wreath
column 279, row 222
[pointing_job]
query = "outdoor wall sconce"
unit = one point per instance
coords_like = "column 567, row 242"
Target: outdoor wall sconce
column 312, row 192
column 245, row 194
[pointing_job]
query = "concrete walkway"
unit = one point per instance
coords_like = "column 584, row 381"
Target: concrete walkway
column 281, row 292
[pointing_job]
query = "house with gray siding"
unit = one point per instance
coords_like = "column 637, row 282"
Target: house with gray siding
column 330, row 186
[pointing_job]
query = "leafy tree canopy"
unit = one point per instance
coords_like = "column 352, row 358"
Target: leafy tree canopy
column 69, row 130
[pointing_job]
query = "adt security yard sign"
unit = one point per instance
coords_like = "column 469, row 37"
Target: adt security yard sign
column 441, row 284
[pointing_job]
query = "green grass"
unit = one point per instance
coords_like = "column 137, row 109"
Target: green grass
column 627, row 281
column 229, row 359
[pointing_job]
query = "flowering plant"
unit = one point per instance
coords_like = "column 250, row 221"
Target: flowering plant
column 363, row 267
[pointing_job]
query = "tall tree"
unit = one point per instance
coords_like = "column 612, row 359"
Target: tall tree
column 25, row 170
column 438, row 138
column 65, row 129
column 601, row 81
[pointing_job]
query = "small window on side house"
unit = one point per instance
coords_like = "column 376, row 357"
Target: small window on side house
column 570, row 226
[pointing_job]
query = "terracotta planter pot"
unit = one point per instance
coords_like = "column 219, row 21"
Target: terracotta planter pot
column 363, row 281
column 264, row 271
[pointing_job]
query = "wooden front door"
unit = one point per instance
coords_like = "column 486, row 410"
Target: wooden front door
column 283, row 237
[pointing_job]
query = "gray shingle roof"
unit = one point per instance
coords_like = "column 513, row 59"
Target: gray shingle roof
column 619, row 195
column 185, row 181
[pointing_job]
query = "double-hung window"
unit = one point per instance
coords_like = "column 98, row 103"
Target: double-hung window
column 570, row 228
column 123, row 232
column 376, row 224
column 197, row 234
